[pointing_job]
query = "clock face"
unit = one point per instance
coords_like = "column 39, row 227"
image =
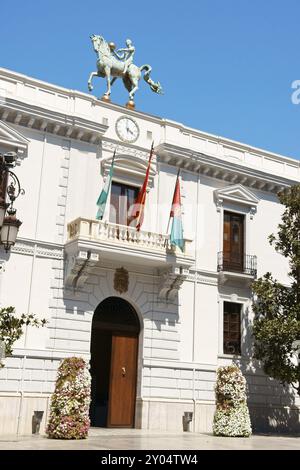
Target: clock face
column 127, row 129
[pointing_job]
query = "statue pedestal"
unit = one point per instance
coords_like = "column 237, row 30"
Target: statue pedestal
column 130, row 104
column 105, row 98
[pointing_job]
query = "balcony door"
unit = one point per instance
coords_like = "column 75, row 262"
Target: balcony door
column 233, row 242
column 122, row 198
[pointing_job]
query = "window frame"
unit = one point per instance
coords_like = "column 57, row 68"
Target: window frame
column 239, row 323
column 245, row 303
column 122, row 185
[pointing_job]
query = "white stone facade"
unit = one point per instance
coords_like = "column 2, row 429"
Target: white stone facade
column 61, row 270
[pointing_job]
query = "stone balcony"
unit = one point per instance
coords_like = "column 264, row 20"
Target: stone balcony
column 91, row 242
column 236, row 269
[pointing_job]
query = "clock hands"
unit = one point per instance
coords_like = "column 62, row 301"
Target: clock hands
column 129, row 130
column 127, row 127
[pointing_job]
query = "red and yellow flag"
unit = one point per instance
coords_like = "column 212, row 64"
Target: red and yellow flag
column 139, row 205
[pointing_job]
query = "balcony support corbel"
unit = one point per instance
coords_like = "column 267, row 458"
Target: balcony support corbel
column 171, row 281
column 79, row 267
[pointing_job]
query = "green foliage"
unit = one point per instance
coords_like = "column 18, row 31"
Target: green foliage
column 11, row 327
column 277, row 307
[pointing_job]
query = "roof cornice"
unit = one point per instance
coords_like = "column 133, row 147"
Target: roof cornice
column 73, row 114
column 240, row 146
column 40, row 118
column 17, row 77
column 212, row 166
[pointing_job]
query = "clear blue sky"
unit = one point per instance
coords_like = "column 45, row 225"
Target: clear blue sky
column 226, row 65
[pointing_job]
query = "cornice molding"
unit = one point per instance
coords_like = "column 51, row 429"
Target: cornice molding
column 38, row 248
column 43, row 119
column 224, row 170
column 36, row 104
column 130, row 149
column 228, row 143
column 18, row 78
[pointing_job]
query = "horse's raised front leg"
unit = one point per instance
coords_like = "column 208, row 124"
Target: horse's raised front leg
column 93, row 74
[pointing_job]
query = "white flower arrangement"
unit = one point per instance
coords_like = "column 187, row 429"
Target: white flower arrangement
column 69, row 413
column 232, row 417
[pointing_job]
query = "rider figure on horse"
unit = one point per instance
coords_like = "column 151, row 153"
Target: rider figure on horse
column 112, row 64
column 126, row 54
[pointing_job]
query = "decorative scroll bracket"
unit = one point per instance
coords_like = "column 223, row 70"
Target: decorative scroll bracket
column 171, row 281
column 78, row 268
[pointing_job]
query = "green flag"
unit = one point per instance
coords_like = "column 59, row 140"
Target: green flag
column 101, row 203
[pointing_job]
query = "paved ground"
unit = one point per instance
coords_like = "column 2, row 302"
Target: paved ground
column 134, row 439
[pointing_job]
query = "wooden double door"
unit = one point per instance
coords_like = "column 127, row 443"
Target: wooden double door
column 114, row 354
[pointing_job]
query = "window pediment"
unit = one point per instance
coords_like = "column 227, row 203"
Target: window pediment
column 129, row 168
column 13, row 141
column 236, row 194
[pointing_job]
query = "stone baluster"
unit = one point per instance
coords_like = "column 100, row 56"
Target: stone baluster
column 85, row 228
column 123, row 233
column 94, row 229
column 140, row 238
column 131, row 235
column 110, row 232
column 102, row 230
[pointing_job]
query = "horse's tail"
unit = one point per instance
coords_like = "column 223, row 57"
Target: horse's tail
column 155, row 86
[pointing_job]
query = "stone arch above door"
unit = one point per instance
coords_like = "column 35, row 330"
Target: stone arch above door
column 117, row 313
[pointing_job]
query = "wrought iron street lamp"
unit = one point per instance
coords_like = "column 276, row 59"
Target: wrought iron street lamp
column 10, row 189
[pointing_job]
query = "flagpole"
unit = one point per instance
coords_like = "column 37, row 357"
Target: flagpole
column 109, row 192
column 172, row 205
column 140, row 216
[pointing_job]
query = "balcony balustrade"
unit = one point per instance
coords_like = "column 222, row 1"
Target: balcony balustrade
column 93, row 243
column 234, row 266
column 119, row 234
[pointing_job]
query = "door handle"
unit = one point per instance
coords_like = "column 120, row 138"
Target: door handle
column 123, row 371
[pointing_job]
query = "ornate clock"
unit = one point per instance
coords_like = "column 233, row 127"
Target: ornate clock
column 127, row 129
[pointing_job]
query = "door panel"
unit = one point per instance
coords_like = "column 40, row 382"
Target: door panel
column 233, row 241
column 100, row 374
column 123, row 381
column 226, row 233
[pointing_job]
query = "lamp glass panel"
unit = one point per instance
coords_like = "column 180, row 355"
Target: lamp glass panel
column 2, row 214
column 9, row 234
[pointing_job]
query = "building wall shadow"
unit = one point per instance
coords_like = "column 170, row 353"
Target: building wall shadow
column 273, row 407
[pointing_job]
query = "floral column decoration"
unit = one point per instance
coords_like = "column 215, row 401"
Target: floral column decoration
column 232, row 415
column 69, row 411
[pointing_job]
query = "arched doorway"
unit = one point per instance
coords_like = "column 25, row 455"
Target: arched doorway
column 114, row 351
